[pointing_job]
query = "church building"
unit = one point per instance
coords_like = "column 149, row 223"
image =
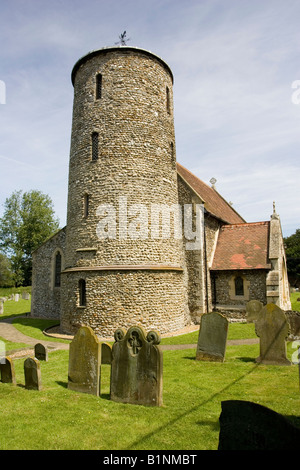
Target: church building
column 146, row 242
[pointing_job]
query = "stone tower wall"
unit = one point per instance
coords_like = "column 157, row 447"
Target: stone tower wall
column 46, row 296
column 135, row 168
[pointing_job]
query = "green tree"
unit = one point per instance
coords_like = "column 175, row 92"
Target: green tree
column 6, row 274
column 292, row 251
column 27, row 222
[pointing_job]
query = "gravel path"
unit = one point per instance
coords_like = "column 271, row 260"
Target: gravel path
column 10, row 333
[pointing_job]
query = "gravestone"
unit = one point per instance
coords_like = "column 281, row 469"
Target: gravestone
column 17, row 297
column 247, row 426
column 1, row 307
column 212, row 337
column 25, row 295
column 137, row 367
column 252, row 310
column 32, row 372
column 2, row 352
column 272, row 328
column 7, row 370
column 106, row 353
column 84, row 362
column 41, row 352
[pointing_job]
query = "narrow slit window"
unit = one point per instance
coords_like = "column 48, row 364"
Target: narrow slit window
column 173, row 160
column 82, row 293
column 168, row 99
column 98, row 86
column 95, row 146
column 86, row 202
column 239, row 285
column 57, row 270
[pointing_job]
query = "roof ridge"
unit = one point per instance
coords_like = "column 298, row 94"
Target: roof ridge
column 264, row 222
column 212, row 199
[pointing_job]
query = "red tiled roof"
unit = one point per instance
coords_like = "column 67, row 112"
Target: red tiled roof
column 242, row 246
column 213, row 201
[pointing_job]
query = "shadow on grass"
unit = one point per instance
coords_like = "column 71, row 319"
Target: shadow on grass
column 245, row 359
column 214, row 425
column 295, row 420
column 104, row 396
column 62, row 384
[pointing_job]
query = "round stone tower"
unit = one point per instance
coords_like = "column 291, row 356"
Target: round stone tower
column 123, row 264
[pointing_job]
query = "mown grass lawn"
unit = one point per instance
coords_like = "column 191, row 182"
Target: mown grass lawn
column 295, row 302
column 56, row 418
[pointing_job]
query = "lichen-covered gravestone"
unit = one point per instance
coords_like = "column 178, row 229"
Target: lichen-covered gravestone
column 7, row 370
column 272, row 328
column 84, row 362
column 212, row 338
column 41, row 352
column 32, row 372
column 253, row 309
column 137, row 367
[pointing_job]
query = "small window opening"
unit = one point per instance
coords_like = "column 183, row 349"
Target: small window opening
column 57, row 270
column 82, row 293
column 173, row 160
column 168, row 99
column 86, row 202
column 95, row 145
column 98, row 86
column 239, row 285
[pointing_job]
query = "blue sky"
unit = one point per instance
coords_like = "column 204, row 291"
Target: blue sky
column 234, row 63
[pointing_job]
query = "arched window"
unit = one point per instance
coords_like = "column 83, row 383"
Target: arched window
column 95, row 145
column 82, row 293
column 239, row 285
column 98, row 86
column 57, row 269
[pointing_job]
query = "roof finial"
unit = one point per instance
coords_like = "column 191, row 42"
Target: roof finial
column 213, row 182
column 274, row 215
column 123, row 40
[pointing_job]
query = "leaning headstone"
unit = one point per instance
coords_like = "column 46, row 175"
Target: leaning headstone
column 252, row 310
column 212, row 337
column 272, row 328
column 41, row 352
column 1, row 307
column 7, row 370
column 247, row 426
column 32, row 372
column 137, row 367
column 84, row 362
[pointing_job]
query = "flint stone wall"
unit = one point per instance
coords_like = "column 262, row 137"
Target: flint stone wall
column 151, row 299
column 45, row 300
column 136, row 161
column 257, row 287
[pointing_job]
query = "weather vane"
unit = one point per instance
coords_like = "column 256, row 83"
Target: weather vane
column 123, row 40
